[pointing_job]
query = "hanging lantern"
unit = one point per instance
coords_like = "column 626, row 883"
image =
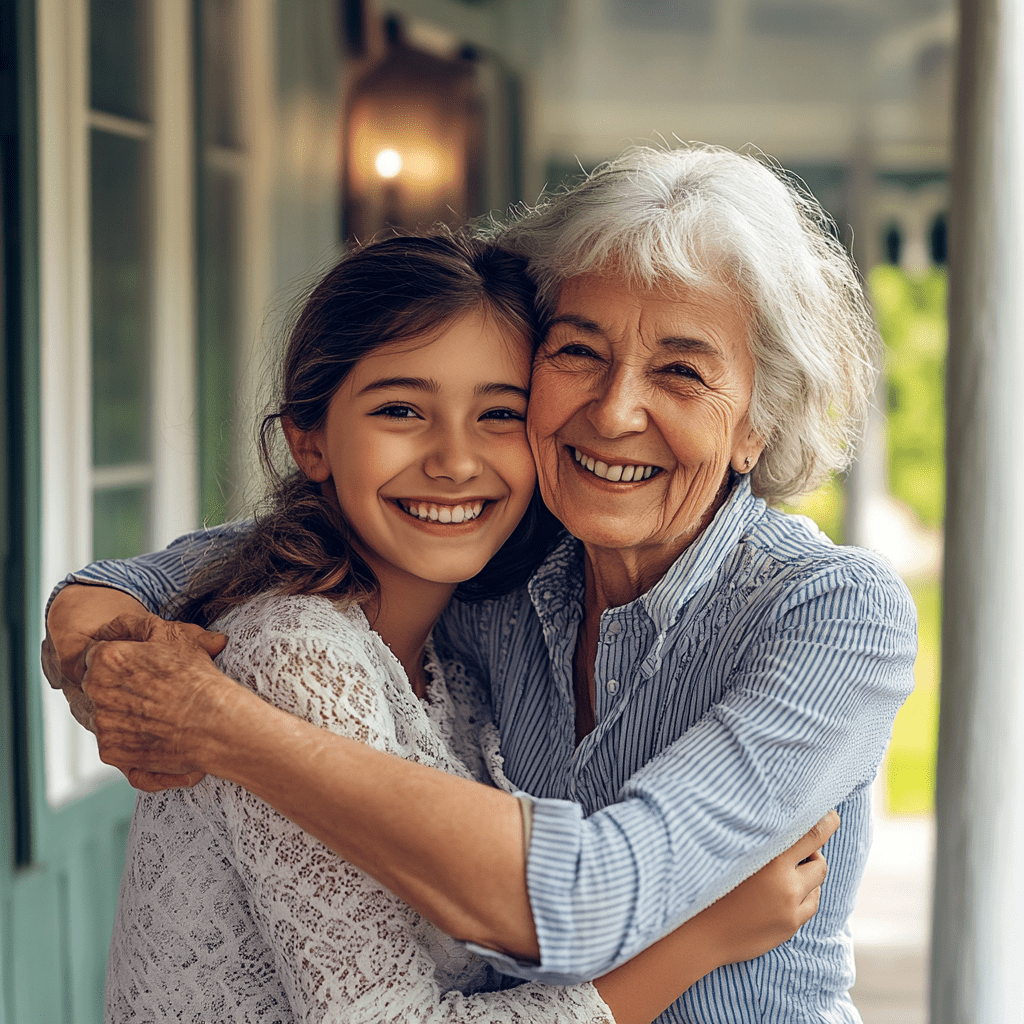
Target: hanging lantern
column 414, row 130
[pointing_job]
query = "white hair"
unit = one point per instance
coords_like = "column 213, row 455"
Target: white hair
column 703, row 216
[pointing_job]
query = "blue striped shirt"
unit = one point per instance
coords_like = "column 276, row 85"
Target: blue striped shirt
column 746, row 693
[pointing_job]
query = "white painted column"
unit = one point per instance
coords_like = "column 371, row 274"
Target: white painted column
column 867, row 481
column 978, row 939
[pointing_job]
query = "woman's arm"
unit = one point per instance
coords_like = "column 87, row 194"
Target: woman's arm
column 340, row 941
column 356, row 800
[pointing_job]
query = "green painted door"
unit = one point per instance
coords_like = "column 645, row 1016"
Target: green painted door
column 59, row 868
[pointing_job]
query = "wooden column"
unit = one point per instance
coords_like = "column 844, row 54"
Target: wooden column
column 978, row 939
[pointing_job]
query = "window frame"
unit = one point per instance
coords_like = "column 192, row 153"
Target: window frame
column 72, row 767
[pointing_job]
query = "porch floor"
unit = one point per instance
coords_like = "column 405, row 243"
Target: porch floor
column 891, row 923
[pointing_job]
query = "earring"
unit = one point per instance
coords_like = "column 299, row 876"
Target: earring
column 746, row 462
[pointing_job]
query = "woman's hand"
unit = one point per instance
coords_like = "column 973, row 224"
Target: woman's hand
column 154, row 697
column 759, row 914
column 82, row 617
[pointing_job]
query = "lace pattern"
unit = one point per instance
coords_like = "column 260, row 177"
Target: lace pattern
column 229, row 912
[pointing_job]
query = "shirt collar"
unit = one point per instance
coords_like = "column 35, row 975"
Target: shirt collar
column 557, row 586
column 700, row 560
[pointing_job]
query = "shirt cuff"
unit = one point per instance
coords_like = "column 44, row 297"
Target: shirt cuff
column 83, row 578
column 552, row 859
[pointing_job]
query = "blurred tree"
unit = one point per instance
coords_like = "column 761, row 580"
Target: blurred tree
column 911, row 313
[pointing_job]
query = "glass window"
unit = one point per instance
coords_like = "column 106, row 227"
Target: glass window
column 119, row 57
column 120, row 518
column 121, row 345
column 219, row 292
column 219, row 44
column 220, row 189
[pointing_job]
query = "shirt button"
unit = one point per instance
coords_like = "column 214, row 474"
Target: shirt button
column 615, row 627
column 612, row 686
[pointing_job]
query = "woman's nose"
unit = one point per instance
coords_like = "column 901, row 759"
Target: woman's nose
column 454, row 455
column 618, row 408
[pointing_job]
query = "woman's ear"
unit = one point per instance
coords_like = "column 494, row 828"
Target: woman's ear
column 307, row 448
column 746, row 454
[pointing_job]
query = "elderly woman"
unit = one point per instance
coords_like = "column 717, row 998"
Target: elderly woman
column 689, row 681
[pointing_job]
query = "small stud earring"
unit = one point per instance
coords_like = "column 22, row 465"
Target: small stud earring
column 746, row 462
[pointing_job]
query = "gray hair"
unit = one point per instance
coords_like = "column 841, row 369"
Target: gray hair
column 702, row 215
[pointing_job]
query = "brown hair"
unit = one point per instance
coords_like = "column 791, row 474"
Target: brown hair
column 385, row 291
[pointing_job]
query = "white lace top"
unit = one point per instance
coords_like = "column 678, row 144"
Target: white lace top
column 229, row 912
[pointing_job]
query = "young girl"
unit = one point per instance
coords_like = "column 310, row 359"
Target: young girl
column 405, row 385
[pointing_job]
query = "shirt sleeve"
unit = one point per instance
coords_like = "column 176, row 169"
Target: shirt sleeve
column 155, row 578
column 345, row 948
column 805, row 722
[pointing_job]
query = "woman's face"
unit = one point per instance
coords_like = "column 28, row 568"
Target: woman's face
column 425, row 443
column 638, row 406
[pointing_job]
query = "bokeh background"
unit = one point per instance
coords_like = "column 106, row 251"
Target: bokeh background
column 177, row 172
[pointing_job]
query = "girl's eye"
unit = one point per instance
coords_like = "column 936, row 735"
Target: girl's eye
column 503, row 414
column 396, row 411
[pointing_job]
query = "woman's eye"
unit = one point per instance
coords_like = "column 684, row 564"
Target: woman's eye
column 576, row 349
column 396, row 412
column 682, row 370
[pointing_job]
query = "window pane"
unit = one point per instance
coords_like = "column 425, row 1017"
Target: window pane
column 220, row 26
column 218, row 334
column 121, row 272
column 120, row 522
column 119, row 57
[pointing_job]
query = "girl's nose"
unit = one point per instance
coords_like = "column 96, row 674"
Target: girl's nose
column 454, row 455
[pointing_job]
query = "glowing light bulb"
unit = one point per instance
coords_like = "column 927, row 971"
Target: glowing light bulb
column 388, row 163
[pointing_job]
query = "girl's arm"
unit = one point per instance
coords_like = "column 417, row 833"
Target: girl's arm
column 759, row 914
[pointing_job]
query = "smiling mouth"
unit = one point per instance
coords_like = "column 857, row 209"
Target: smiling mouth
column 615, row 473
column 432, row 512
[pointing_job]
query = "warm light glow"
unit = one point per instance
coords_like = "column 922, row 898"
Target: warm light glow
column 388, row 163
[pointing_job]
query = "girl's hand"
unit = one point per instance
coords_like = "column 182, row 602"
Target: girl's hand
column 767, row 909
column 759, row 914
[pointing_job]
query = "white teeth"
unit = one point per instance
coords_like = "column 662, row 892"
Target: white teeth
column 444, row 514
column 614, row 473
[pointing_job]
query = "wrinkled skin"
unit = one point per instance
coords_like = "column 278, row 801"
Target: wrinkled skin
column 114, row 680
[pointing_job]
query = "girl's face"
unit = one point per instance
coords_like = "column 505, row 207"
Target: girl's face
column 425, row 444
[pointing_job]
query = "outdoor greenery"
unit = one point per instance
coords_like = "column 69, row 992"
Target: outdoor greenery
column 911, row 314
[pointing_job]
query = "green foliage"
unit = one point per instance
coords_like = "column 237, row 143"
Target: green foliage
column 911, row 314
column 910, row 766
